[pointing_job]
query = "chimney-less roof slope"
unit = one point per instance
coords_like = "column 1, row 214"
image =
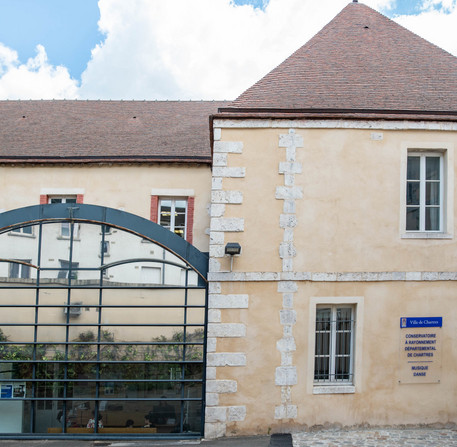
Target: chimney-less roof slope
column 112, row 131
column 361, row 61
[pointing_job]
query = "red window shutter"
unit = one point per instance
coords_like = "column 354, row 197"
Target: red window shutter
column 155, row 209
column 44, row 199
column 79, row 198
column 190, row 219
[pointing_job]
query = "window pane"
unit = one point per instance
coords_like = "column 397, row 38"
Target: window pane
column 342, row 368
column 432, row 193
column 432, row 168
column 180, row 220
column 180, row 206
column 412, row 218
column 413, row 193
column 432, row 219
column 321, row 368
column 413, row 168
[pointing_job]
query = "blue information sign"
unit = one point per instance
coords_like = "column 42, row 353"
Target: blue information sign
column 421, row 322
column 6, row 391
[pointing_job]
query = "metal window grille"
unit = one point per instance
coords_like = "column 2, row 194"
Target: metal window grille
column 333, row 360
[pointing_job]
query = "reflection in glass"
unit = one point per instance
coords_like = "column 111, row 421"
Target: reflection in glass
column 74, row 335
column 412, row 218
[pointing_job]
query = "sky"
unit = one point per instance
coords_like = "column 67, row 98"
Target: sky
column 173, row 49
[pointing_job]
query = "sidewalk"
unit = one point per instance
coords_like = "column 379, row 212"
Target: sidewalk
column 370, row 437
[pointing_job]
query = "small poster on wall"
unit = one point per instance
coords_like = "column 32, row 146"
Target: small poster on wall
column 420, row 349
column 12, row 390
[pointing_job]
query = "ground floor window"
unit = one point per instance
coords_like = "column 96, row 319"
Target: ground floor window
column 333, row 358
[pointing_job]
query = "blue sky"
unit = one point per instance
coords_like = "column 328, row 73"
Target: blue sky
column 66, row 28
column 125, row 49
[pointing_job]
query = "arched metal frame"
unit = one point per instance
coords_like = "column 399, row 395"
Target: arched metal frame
column 143, row 228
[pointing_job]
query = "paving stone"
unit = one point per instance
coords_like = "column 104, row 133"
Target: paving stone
column 395, row 437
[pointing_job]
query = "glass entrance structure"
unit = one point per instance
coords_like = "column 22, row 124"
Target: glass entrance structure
column 102, row 325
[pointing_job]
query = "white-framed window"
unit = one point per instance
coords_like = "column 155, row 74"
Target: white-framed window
column 425, row 192
column 172, row 215
column 20, row 270
column 335, row 344
column 65, row 272
column 65, row 226
column 23, row 231
column 104, row 247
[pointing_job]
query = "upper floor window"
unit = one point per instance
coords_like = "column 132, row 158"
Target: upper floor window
column 27, row 231
column 65, row 228
column 172, row 215
column 20, row 270
column 424, row 192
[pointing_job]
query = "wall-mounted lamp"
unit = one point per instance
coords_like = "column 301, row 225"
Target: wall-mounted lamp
column 231, row 249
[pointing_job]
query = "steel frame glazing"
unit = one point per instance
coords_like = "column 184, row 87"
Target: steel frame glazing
column 114, row 351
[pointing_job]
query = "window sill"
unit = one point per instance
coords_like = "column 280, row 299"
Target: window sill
column 12, row 233
column 426, row 235
column 334, row 389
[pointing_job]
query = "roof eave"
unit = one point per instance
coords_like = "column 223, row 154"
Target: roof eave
column 368, row 114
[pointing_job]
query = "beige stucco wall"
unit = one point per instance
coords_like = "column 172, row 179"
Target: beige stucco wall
column 319, row 210
column 379, row 398
column 118, row 186
column 350, row 215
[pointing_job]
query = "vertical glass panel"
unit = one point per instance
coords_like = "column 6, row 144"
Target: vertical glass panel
column 432, row 168
column 87, row 251
column 323, row 319
column 413, row 170
column 413, row 193
column 53, row 308
column 321, row 368
column 432, row 219
column 342, row 368
column 165, row 213
column 55, row 253
column 343, row 319
column 14, row 416
column 432, row 193
column 412, row 218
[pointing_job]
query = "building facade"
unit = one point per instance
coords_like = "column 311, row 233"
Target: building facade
column 334, row 175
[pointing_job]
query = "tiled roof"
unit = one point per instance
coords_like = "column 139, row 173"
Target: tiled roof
column 113, row 131
column 360, row 63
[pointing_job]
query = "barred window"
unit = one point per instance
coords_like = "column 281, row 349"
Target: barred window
column 333, row 357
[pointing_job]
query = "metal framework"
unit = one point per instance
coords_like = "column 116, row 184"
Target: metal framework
column 89, row 335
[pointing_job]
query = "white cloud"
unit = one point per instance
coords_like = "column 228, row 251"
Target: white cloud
column 196, row 49
column 437, row 22
column 36, row 79
column 199, row 49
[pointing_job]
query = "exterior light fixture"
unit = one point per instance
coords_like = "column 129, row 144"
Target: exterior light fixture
column 231, row 249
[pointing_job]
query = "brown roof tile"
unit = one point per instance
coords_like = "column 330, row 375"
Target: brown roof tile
column 360, row 62
column 96, row 131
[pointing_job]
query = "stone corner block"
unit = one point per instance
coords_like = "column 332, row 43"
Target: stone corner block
column 226, row 359
column 286, row 412
column 215, row 430
column 221, row 386
column 216, row 414
column 234, row 147
column 236, row 414
column 287, row 287
column 229, row 224
column 286, row 376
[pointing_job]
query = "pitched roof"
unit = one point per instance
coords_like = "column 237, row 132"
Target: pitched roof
column 360, row 63
column 113, row 131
